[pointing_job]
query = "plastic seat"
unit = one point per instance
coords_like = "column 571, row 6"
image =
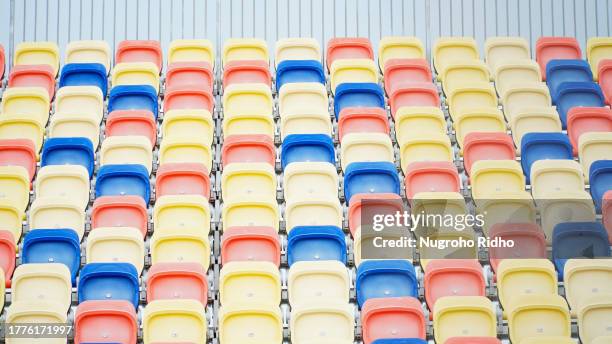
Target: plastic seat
column 248, row 179
column 344, row 71
column 248, row 124
column 68, row 151
column 66, row 125
column 362, row 120
column 291, row 49
column 174, row 213
column 248, row 148
column 518, row 277
column 120, row 150
column 57, row 213
column 585, row 279
column 247, row 99
column 235, row 49
column 431, row 176
column 250, row 282
column 186, row 150
column 399, row 47
column 84, row 74
column 306, row 123
column 491, row 177
column 593, row 314
column 484, row 120
column 247, row 72
column 560, row 71
column 250, row 244
column 12, row 219
column 53, row 246
column 512, row 72
column 304, row 179
column 358, row 95
column 565, row 207
column 453, row 277
column 370, row 177
column 16, row 127
column 182, row 179
column 191, row 50
column 299, row 71
column 348, row 48
column 552, row 176
column 316, row 243
column 414, row 121
column 556, row 48
column 174, row 320
column 598, row 49
column 519, row 99
column 469, row 96
column 506, row 207
column 592, row 147
column 140, row 51
column 298, row 212
column 363, row 147
column 413, row 94
column 133, row 97
column 99, row 321
column 171, row 281
column 529, row 242
column 582, row 120
column 187, row 97
column 89, row 52
column 540, row 119
column 605, row 79
column 307, row 148
column 578, row 240
column 132, row 123
column 456, row 74
column 251, row 211
column 185, row 246
column 120, row 211
column 38, row 313
column 319, row 281
column 364, row 206
column 37, row 53
column 191, row 123
column 329, row 321
column 500, row 50
column 600, row 180
column 123, row 180
column 464, row 316
column 7, row 259
column 243, row 323
column 33, row 76
column 19, row 152
column 116, row 245
column 392, row 318
column 543, row 146
column 109, row 281
column 577, row 94
column 450, row 50
column 73, row 99
column 195, row 74
column 385, row 278
column 15, row 186
column 425, row 147
column 398, row 70
column 64, row 181
column 27, row 102
column 42, row 283
column 135, row 73
column 539, row 315
column 302, row 98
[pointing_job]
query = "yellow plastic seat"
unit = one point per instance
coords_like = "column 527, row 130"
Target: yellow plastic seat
column 521, row 98
column 250, row 324
column 136, row 73
column 251, row 211
column 538, row 315
column 463, row 316
column 299, row 212
column 245, row 49
column 37, row 53
column 116, row 245
column 478, row 120
column 174, row 321
column 64, row 181
column 175, row 213
column 541, row 119
column 245, row 179
column 519, row 277
column 36, row 312
column 297, row 49
column 304, row 179
column 450, row 50
column 302, row 123
column 127, row 150
column 351, row 71
column 248, row 110
column 191, row 50
column 318, row 281
column 303, row 98
column 185, row 149
column 361, row 147
column 411, row 121
column 192, row 123
column 425, row 147
column 566, row 206
column 322, row 320
column 364, row 248
column 247, row 124
column 185, row 246
column 496, row 177
column 586, row 278
column 457, row 74
column 511, row 207
column 74, row 99
column 20, row 126
column 89, row 52
column 11, row 218
column 15, row 186
column 594, row 146
column 499, row 50
column 594, row 318
column 42, row 282
column 509, row 73
column 471, row 95
column 452, row 203
column 598, row 48
column 55, row 212
column 250, row 282
column 551, row 176
column 67, row 124
column 399, row 47
column 26, row 102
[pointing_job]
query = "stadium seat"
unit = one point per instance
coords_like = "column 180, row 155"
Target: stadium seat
column 248, row 148
column 7, row 257
column 529, row 242
column 385, row 278
column 250, row 244
column 584, row 279
column 582, row 120
column 366, row 205
column 240, row 124
column 185, row 246
column 307, row 148
column 174, row 320
column 483, row 120
column 12, row 219
column 191, row 50
column 66, row 125
column 552, row 176
column 132, row 123
column 425, row 147
column 73, row 99
column 480, row 340
column 37, row 53
column 42, row 284
column 414, row 121
column 241, row 98
column 248, row 179
column 251, row 211
column 511, row 72
column 556, row 48
column 123, row 180
column 344, row 71
column 182, row 179
column 464, row 316
column 431, row 176
column 539, row 315
column 188, row 123
column 188, row 97
column 555, row 210
column 139, row 51
column 89, row 52
column 299, row 71
column 235, row 49
column 519, row 277
column 457, row 74
column 519, row 99
column 362, row 120
column 329, row 321
column 171, row 281
column 598, row 49
column 413, row 94
column 320, row 281
column 189, row 74
column 298, row 212
column 84, row 74
column 575, row 94
column 121, row 150
column 362, row 147
column 33, row 76
column 398, row 70
column 605, row 79
column 116, row 245
column 451, row 50
column 399, row 47
column 358, row 95
column 16, row 127
column 243, row 323
column 53, row 246
column 30, row 101
column 370, row 177
column 304, row 179
column 348, row 48
column 539, row 119
column 133, row 97
column 302, row 98
column 68, row 151
column 57, row 213
column 246, row 72
column 594, row 146
column 64, row 181
column 593, row 316
column 500, row 50
column 543, row 146
column 19, row 152
column 496, row 177
column 291, row 49
column 185, row 150
column 436, row 203
column 250, row 282
column 306, row 123
column 464, row 97
column 578, row 240
column 135, row 73
column 600, row 177
column 560, row 71
column 15, row 186
column 452, row 277
column 36, row 312
column 316, row 243
column 175, row 213
column 392, row 318
column 120, row 211
column 110, row 321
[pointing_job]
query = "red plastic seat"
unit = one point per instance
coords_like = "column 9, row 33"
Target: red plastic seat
column 250, row 244
column 120, row 211
column 431, row 176
column 107, row 321
column 529, row 242
column 413, row 94
column 453, row 277
column 33, row 76
column 248, row 148
column 582, row 120
column 177, row 281
column 132, row 123
column 362, row 120
column 556, row 48
column 194, row 74
column 140, row 51
column 348, row 48
column 604, row 72
column 246, row 71
column 18, row 152
column 188, row 98
column 397, row 71
column 7, row 255
column 182, row 179
column 606, row 211
column 372, row 204
column 486, row 146
column 394, row 317
column 472, row 340
column 2, row 61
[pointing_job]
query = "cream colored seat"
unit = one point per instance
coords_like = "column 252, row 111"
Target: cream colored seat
column 542, row 315
column 244, row 179
column 89, row 52
column 42, row 283
column 322, row 320
column 74, row 99
column 250, row 324
column 499, row 50
column 31, row 101
column 450, row 50
column 185, row 246
column 186, row 149
column 116, row 244
column 399, row 47
column 471, row 316
column 304, row 179
column 511, row 73
column 251, row 211
column 297, row 49
column 66, row 125
column 250, row 282
column 318, row 281
column 425, row 147
column 414, row 121
column 594, row 146
column 519, row 277
column 362, row 147
column 136, row 73
column 120, row 150
column 352, row 71
column 586, row 278
column 299, row 212
column 191, row 123
column 540, row 119
column 174, row 320
column 55, row 212
column 64, row 181
column 522, row 98
column 175, row 213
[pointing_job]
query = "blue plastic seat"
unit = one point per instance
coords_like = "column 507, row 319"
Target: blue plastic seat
column 314, row 243
column 122, row 180
column 400, row 341
column 358, row 95
column 560, row 71
column 109, row 281
column 572, row 94
column 133, row 97
column 370, row 177
column 69, row 151
column 543, row 146
column 600, row 178
column 84, row 74
column 299, row 71
column 578, row 240
column 53, row 246
column 307, row 147
column 385, row 278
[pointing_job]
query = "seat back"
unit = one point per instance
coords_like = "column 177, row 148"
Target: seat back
column 132, row 123
column 187, row 97
column 302, row 98
column 248, row 148
column 182, row 179
column 84, row 74
column 600, row 177
column 364, row 206
column 172, row 320
column 560, row 71
column 109, row 281
column 529, row 242
column 352, row 71
column 251, row 211
column 370, row 177
column 19, row 152
column 186, row 246
column 435, row 176
column 499, row 50
column 544, row 146
column 449, row 50
column 57, row 213
column 88, row 52
column 121, row 180
column 453, row 277
column 99, row 321
column 140, row 51
column 511, row 72
column 314, row 243
column 425, row 147
column 539, row 315
column 362, row 120
column 170, row 281
column 556, row 48
column 250, row 282
column 391, row 48
column 190, row 50
column 572, row 240
column 247, row 99
column 121, row 150
column 592, row 317
column 19, row 127
column 575, row 94
column 133, row 97
column 582, row 120
column 53, row 246
column 358, row 95
column 246, row 72
column 385, row 278
column 594, row 146
column 196, row 74
column 244, row 49
column 291, row 49
column 12, row 219
column 15, row 186
column 7, row 256
column 33, row 101
column 35, row 53
column 250, row 244
column 303, row 179
column 321, row 281
column 413, row 94
column 42, row 283
column 73, row 99
column 605, row 79
column 363, row 147
column 33, row 76
column 392, row 318
column 186, row 150
column 542, row 119
column 550, row 177
column 457, row 74
column 327, row 321
column 348, row 48
column 240, row 323
column 299, row 71
column 248, row 179
column 120, row 211
column 397, row 70
column 116, row 244
column 175, row 213
column 68, row 151
column 464, row 97
column 307, row 148
column 135, row 73
column 520, row 99
column 585, row 279
column 464, row 316
column 66, row 125
column 518, row 277
column 298, row 212
column 486, row 120
column 491, row 177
